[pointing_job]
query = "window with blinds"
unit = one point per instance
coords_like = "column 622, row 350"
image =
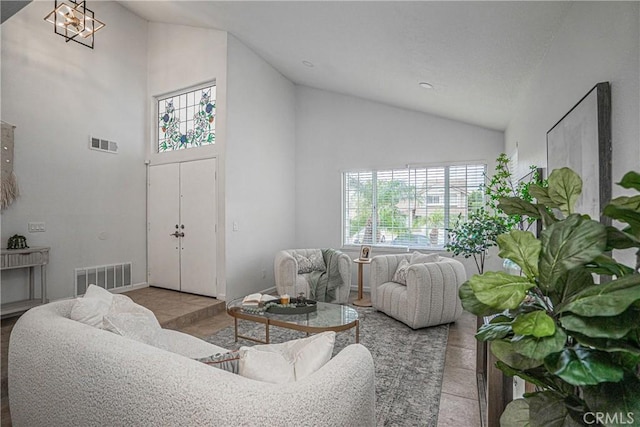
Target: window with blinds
column 410, row 207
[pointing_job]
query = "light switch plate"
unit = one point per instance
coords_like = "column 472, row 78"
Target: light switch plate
column 36, row 227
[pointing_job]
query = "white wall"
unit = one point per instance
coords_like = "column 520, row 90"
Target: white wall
column 180, row 57
column 336, row 133
column 598, row 41
column 260, row 178
column 57, row 94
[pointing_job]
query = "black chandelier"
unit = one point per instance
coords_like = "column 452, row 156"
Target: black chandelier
column 72, row 20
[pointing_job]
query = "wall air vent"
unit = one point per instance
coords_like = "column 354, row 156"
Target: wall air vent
column 103, row 145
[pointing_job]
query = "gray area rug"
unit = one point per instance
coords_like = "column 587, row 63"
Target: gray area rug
column 409, row 364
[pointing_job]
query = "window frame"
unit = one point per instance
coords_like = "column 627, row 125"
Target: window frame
column 449, row 217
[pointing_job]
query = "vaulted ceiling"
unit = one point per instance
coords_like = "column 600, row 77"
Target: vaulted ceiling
column 478, row 56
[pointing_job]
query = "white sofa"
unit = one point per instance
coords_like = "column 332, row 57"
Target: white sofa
column 430, row 296
column 66, row 373
column 289, row 281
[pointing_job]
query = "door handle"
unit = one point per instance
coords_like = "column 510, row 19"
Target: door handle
column 176, row 234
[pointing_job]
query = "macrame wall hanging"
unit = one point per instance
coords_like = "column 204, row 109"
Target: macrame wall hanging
column 8, row 182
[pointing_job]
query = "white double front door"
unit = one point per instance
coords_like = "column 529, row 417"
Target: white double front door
column 182, row 221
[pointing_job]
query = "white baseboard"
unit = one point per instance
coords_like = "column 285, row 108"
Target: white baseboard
column 129, row 288
column 114, row 291
column 268, row 290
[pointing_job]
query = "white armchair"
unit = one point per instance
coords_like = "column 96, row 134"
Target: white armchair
column 430, row 296
column 290, row 280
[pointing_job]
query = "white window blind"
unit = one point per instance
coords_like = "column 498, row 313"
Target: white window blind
column 408, row 207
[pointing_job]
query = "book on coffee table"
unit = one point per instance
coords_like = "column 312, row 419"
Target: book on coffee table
column 254, row 300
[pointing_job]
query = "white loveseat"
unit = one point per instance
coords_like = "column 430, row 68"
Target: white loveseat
column 66, row 373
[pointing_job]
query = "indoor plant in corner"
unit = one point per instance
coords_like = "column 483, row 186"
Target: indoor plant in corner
column 474, row 236
column 577, row 341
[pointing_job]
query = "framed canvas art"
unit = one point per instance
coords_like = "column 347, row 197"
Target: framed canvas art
column 581, row 140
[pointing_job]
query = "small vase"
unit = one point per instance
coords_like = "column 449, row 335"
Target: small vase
column 511, row 267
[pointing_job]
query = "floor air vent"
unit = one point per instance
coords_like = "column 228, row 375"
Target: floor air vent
column 113, row 276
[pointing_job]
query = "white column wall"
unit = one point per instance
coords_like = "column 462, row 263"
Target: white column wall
column 260, row 180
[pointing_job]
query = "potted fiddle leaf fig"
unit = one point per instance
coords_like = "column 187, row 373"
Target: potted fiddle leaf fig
column 576, row 340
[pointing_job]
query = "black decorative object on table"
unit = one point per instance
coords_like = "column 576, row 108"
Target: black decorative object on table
column 17, row 242
column 299, row 305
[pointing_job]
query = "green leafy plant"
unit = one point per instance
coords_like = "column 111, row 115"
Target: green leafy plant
column 503, row 184
column 576, row 340
column 473, row 236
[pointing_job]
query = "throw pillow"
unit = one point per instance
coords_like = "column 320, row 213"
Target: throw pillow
column 132, row 320
column 314, row 262
column 278, row 363
column 400, row 276
column 311, row 354
column 304, row 264
column 226, row 361
column 317, row 260
column 420, row 258
column 307, row 354
column 265, row 366
column 137, row 326
column 124, row 304
column 91, row 308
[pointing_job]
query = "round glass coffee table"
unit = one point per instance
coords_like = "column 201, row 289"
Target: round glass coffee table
column 328, row 317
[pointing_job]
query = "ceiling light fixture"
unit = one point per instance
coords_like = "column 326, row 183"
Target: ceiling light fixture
column 426, row 85
column 307, row 64
column 73, row 21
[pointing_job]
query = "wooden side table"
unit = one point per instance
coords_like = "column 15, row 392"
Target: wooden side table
column 361, row 301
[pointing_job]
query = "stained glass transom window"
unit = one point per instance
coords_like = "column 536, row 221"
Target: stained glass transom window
column 187, row 120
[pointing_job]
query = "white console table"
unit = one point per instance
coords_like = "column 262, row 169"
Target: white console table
column 29, row 258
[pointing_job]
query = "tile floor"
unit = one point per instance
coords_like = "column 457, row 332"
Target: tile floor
column 459, row 399
column 202, row 317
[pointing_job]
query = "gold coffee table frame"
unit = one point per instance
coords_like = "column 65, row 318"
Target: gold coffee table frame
column 322, row 320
